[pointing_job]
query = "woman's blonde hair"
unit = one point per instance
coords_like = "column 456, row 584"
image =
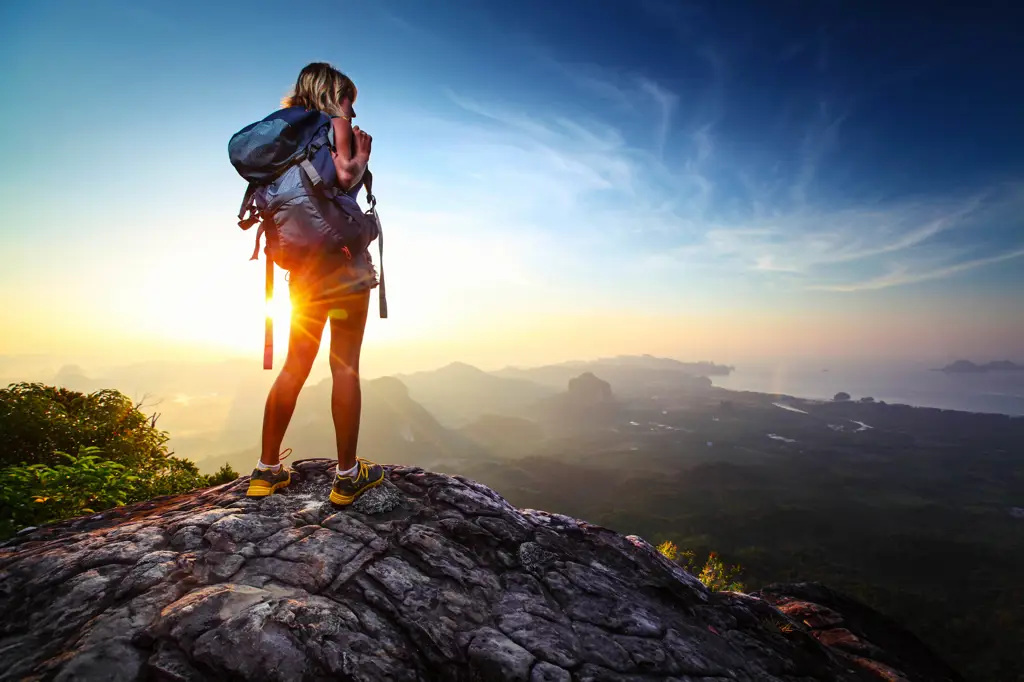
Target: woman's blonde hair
column 322, row 87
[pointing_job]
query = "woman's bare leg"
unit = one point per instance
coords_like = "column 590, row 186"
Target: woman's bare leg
column 307, row 328
column 348, row 322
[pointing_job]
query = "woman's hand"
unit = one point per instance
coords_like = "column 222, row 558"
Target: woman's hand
column 363, row 143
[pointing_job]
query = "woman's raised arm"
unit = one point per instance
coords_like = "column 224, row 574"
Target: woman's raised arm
column 350, row 165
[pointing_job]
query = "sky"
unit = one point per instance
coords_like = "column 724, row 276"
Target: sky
column 737, row 182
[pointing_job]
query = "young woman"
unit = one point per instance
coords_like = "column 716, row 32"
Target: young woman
column 331, row 289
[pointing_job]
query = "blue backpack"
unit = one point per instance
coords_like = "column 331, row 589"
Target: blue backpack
column 295, row 196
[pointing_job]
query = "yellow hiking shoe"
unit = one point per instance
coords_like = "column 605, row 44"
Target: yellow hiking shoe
column 347, row 488
column 265, row 482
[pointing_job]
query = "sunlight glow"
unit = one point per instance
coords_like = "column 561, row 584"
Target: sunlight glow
column 279, row 307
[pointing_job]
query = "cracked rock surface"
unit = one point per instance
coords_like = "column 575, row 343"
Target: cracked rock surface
column 427, row 577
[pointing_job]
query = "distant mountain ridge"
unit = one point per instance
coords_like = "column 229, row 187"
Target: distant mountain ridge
column 458, row 393
column 642, row 362
column 968, row 367
column 394, row 427
column 629, row 375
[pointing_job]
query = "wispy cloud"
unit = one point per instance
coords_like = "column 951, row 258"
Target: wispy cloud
column 704, row 143
column 820, row 139
column 681, row 199
column 830, row 249
column 550, row 154
column 626, row 90
column 906, row 275
column 666, row 104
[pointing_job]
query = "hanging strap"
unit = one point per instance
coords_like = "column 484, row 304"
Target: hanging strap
column 368, row 184
column 268, row 329
column 248, row 204
column 372, row 201
column 382, row 296
column 256, row 248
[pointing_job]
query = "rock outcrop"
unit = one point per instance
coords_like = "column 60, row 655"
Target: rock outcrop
column 587, row 389
column 587, row 406
column 428, row 577
column 861, row 635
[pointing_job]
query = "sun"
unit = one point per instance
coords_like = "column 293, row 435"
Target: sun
column 279, row 308
column 240, row 324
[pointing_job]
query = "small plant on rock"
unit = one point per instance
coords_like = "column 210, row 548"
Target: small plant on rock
column 714, row 574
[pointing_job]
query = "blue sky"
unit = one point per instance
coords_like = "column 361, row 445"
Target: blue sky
column 757, row 171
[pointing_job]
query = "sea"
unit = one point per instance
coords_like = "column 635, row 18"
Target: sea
column 995, row 392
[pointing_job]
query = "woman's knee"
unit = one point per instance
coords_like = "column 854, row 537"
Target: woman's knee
column 298, row 365
column 293, row 375
column 344, row 367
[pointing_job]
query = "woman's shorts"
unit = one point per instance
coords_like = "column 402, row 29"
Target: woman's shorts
column 338, row 291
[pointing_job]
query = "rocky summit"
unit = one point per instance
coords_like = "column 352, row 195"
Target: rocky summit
column 428, row 577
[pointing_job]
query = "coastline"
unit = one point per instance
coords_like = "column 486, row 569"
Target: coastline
column 1000, row 393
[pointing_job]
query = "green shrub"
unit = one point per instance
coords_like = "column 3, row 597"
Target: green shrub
column 38, row 493
column 223, row 475
column 37, row 422
column 715, row 574
column 121, row 456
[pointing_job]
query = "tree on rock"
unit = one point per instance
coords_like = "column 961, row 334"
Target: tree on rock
column 841, row 397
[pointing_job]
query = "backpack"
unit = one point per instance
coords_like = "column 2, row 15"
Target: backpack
column 295, row 196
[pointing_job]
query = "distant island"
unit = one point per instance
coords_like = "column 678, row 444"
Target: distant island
column 968, row 367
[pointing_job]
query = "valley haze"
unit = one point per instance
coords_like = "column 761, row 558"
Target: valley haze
column 211, row 409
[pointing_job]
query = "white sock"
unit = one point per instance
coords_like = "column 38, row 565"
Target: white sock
column 350, row 473
column 263, row 467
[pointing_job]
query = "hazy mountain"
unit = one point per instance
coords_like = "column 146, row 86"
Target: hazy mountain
column 393, row 428
column 74, row 378
column 631, row 376
column 586, row 405
column 212, row 408
column 703, row 368
column 968, row 367
column 510, row 436
column 26, row 367
column 459, row 393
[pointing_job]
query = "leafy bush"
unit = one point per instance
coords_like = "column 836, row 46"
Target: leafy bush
column 223, row 475
column 39, row 421
column 121, row 456
column 38, row 493
column 715, row 575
